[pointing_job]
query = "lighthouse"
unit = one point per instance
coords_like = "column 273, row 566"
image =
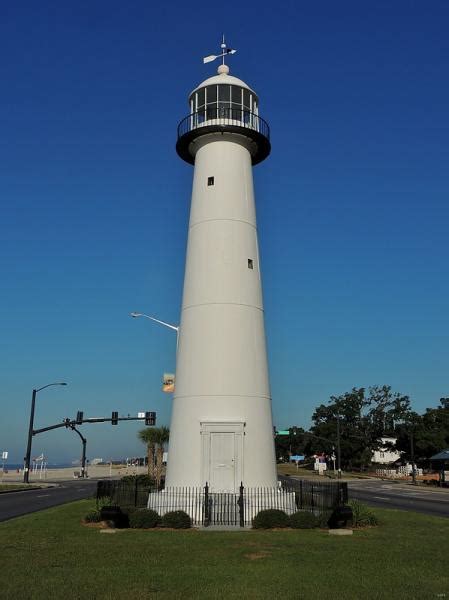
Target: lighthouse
column 221, row 430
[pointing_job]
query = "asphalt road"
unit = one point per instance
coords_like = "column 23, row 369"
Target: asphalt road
column 14, row 504
column 382, row 494
column 402, row 496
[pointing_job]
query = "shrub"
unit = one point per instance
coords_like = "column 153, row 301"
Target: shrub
column 177, row 519
column 92, row 517
column 141, row 480
column 362, row 515
column 270, row 518
column 143, row 518
column 323, row 519
column 103, row 501
column 304, row 520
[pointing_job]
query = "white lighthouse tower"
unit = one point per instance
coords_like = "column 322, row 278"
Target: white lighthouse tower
column 221, row 429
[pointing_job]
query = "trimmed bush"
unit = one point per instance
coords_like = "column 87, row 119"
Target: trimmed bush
column 304, row 520
column 93, row 517
column 323, row 519
column 178, row 519
column 362, row 515
column 271, row 518
column 141, row 480
column 143, row 518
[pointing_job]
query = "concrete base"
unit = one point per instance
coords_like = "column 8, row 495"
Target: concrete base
column 340, row 532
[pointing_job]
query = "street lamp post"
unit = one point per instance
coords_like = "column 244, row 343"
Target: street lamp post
column 26, row 472
column 169, row 325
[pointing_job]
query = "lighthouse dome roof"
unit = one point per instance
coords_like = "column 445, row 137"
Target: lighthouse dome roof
column 223, row 77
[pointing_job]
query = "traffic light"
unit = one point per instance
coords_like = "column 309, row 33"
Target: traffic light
column 114, row 420
column 150, row 418
column 79, row 417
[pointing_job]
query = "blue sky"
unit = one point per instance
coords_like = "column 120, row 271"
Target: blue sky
column 352, row 203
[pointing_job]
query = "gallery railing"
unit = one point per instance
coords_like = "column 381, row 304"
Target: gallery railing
column 223, row 117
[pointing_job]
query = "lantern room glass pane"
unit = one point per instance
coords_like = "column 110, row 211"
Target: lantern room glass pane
column 236, row 94
column 211, row 111
column 201, row 97
column 246, row 100
column 211, row 94
column 224, row 93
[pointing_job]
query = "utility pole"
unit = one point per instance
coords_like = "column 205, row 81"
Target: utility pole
column 412, row 455
column 338, row 449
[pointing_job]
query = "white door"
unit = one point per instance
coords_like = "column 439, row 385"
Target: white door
column 222, row 462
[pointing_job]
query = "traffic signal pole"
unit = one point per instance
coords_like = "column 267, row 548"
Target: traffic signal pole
column 83, row 456
column 149, row 418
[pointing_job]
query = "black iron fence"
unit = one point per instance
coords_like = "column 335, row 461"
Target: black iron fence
column 317, row 496
column 207, row 507
column 125, row 494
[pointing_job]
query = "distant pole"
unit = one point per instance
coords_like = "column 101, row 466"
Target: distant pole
column 338, row 449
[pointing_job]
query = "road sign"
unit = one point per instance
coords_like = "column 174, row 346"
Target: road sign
column 296, row 457
column 4, row 455
column 141, row 415
column 284, row 432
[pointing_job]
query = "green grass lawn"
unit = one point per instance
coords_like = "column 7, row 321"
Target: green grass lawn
column 291, row 469
column 51, row 555
column 5, row 487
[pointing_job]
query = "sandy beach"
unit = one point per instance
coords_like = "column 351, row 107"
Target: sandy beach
column 55, row 475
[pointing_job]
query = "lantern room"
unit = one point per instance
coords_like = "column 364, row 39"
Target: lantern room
column 223, row 103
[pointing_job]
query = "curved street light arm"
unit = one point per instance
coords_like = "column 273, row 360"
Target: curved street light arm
column 50, row 384
column 136, row 314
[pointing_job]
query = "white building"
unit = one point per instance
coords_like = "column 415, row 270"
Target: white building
column 385, row 456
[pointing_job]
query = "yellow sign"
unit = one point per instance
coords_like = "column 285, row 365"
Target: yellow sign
column 168, row 383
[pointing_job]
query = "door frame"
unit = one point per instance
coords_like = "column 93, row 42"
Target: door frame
column 235, row 427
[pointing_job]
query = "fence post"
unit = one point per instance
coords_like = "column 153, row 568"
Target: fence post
column 241, row 506
column 300, row 494
column 206, row 506
column 312, row 502
column 343, row 493
column 135, row 493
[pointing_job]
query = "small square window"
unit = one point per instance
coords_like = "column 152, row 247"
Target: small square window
column 250, row 263
column 210, row 181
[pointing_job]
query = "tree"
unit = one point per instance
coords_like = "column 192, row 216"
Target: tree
column 148, row 436
column 162, row 437
column 430, row 433
column 286, row 445
column 365, row 417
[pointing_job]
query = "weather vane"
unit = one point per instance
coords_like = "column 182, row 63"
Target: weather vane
column 224, row 52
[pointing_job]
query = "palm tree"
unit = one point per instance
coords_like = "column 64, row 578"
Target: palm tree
column 149, row 436
column 155, row 439
column 162, row 437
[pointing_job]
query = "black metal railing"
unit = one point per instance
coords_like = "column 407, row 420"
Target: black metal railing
column 125, row 494
column 318, row 496
column 223, row 117
column 207, row 507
